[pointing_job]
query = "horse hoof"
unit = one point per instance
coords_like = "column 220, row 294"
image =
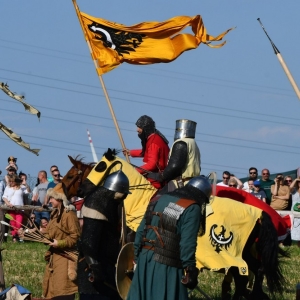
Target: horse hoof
column 226, row 296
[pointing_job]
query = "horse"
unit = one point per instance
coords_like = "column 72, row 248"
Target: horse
column 228, row 244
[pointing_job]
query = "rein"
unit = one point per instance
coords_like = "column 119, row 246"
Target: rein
column 77, row 178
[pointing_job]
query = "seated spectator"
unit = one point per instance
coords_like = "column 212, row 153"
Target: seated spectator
column 226, row 177
column 239, row 183
column 43, row 224
column 288, row 181
column 252, row 175
column 250, row 188
column 31, row 223
column 280, row 194
column 265, row 184
column 258, row 192
column 233, row 183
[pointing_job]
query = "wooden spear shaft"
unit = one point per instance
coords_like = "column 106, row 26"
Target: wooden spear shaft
column 101, row 81
column 282, row 62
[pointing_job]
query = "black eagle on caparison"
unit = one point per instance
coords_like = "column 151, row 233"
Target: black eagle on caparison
column 120, row 41
column 219, row 240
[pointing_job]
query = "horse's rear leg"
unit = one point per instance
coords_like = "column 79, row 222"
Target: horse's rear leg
column 257, row 292
column 226, row 286
column 241, row 291
column 255, row 265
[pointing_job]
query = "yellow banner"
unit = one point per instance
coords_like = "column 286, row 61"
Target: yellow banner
column 144, row 43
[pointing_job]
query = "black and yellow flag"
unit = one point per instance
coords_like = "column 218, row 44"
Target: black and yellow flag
column 144, row 43
column 17, row 139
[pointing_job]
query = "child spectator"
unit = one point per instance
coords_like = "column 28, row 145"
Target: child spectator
column 258, row 192
column 250, row 188
column 13, row 195
column 25, row 187
column 12, row 163
column 43, row 224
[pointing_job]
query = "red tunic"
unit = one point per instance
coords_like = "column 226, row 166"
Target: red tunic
column 155, row 156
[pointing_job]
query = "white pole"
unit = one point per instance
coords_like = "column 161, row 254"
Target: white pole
column 95, row 158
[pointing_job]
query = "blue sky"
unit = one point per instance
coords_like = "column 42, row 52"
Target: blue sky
column 245, row 107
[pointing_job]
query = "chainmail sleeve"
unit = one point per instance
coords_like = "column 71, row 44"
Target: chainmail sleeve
column 177, row 161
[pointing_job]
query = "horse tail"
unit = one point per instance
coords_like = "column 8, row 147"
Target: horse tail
column 269, row 251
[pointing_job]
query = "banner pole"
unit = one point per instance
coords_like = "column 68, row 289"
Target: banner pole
column 282, row 62
column 101, row 81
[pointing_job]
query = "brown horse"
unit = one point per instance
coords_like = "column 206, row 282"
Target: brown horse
column 85, row 177
column 74, row 177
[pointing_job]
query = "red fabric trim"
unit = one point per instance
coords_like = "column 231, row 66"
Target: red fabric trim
column 244, row 197
column 78, row 204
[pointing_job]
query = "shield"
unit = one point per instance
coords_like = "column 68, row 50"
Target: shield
column 124, row 270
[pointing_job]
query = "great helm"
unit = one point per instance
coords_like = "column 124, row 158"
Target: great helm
column 202, row 184
column 117, row 182
column 185, row 129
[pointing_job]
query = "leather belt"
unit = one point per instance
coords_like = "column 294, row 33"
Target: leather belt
column 148, row 247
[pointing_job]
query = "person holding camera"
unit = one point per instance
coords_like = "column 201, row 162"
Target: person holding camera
column 295, row 232
column 280, row 194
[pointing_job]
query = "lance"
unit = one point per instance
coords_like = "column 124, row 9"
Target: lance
column 282, row 62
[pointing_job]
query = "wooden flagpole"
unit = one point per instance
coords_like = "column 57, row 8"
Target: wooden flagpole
column 101, row 81
column 123, row 221
column 282, row 62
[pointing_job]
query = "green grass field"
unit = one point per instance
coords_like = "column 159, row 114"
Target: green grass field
column 23, row 263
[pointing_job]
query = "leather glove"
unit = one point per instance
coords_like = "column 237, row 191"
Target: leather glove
column 190, row 279
column 156, row 176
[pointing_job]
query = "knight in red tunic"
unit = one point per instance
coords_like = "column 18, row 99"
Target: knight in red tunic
column 155, row 149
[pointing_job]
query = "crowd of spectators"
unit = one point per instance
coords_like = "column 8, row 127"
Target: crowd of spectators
column 282, row 193
column 15, row 191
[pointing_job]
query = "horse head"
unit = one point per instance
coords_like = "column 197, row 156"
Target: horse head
column 71, row 182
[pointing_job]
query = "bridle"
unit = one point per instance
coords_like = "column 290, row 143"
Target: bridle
column 77, row 178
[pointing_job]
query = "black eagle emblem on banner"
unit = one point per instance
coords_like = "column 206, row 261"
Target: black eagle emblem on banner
column 120, row 41
column 219, row 240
